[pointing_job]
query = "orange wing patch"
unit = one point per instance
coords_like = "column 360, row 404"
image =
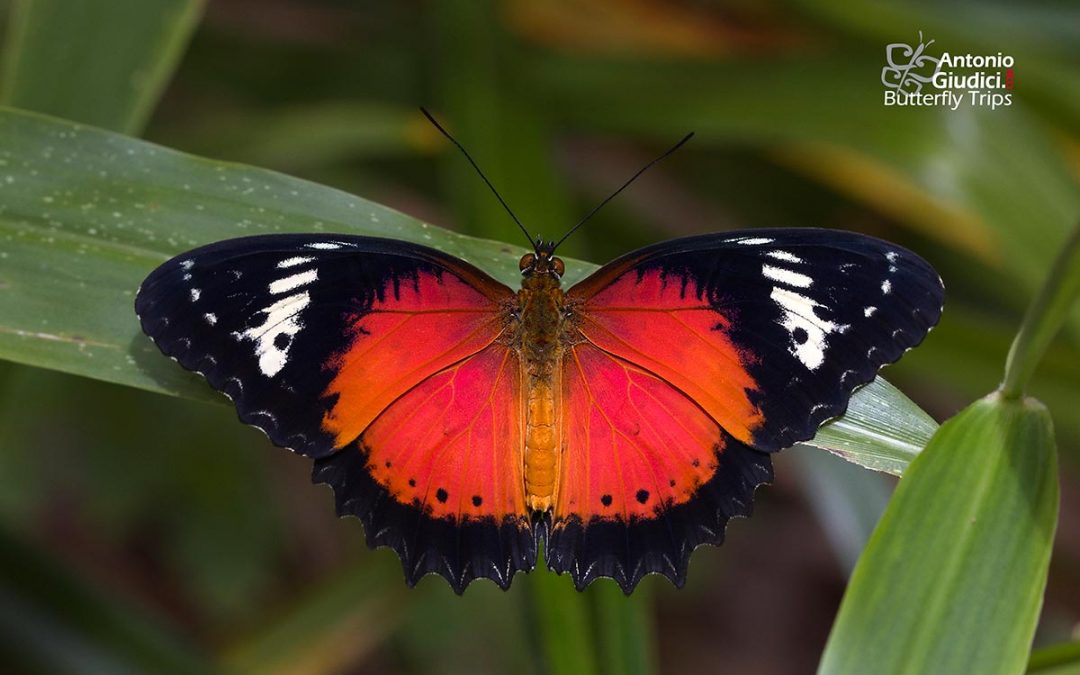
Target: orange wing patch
column 415, row 328
column 452, row 445
column 634, row 445
column 664, row 327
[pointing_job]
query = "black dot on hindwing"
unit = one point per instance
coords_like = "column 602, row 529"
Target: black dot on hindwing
column 476, row 500
column 642, row 496
column 282, row 340
column 606, row 500
column 441, row 495
column 412, row 482
column 799, row 335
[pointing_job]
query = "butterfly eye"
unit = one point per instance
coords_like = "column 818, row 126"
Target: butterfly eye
column 527, row 261
column 558, row 266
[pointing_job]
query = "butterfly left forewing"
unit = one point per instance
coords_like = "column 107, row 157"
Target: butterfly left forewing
column 293, row 328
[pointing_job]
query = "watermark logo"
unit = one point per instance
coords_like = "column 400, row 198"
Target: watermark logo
column 914, row 76
column 909, row 68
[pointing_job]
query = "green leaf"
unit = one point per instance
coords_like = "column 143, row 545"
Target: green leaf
column 923, row 598
column 307, row 136
column 85, row 215
column 135, row 46
column 1056, row 659
column 625, row 631
column 559, row 616
column 882, row 429
column 1044, row 318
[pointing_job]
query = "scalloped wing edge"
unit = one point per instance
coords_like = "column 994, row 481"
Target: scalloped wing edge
column 498, row 550
column 703, row 520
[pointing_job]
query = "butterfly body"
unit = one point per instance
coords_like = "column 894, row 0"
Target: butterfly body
column 622, row 421
column 540, row 347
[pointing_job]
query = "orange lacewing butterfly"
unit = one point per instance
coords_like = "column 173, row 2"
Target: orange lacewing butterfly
column 619, row 423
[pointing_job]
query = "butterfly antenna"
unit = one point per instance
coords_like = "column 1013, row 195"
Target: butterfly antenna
column 642, row 170
column 482, row 176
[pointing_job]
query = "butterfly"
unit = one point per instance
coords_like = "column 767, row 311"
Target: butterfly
column 619, row 423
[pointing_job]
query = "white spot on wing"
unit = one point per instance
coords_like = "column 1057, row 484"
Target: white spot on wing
column 324, row 245
column 754, row 241
column 869, row 311
column 886, row 287
column 294, row 261
column 210, row 318
column 187, row 264
column 786, row 276
column 799, row 313
column 785, row 256
column 282, row 318
column 294, row 281
column 892, row 256
column 195, row 293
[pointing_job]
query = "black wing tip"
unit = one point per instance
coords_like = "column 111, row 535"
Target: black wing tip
column 461, row 552
column 913, row 320
column 661, row 546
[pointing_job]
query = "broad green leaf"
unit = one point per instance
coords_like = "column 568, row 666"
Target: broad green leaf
column 923, row 598
column 135, row 45
column 86, row 214
column 882, row 429
column 309, row 135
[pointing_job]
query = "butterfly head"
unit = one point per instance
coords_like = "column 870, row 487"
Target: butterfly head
column 542, row 260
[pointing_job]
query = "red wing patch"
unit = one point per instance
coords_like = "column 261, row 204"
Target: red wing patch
column 421, row 327
column 451, row 446
column 634, row 445
column 668, row 330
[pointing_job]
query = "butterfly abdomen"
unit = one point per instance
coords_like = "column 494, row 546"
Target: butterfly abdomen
column 541, row 302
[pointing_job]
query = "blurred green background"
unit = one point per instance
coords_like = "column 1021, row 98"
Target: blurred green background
column 145, row 533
